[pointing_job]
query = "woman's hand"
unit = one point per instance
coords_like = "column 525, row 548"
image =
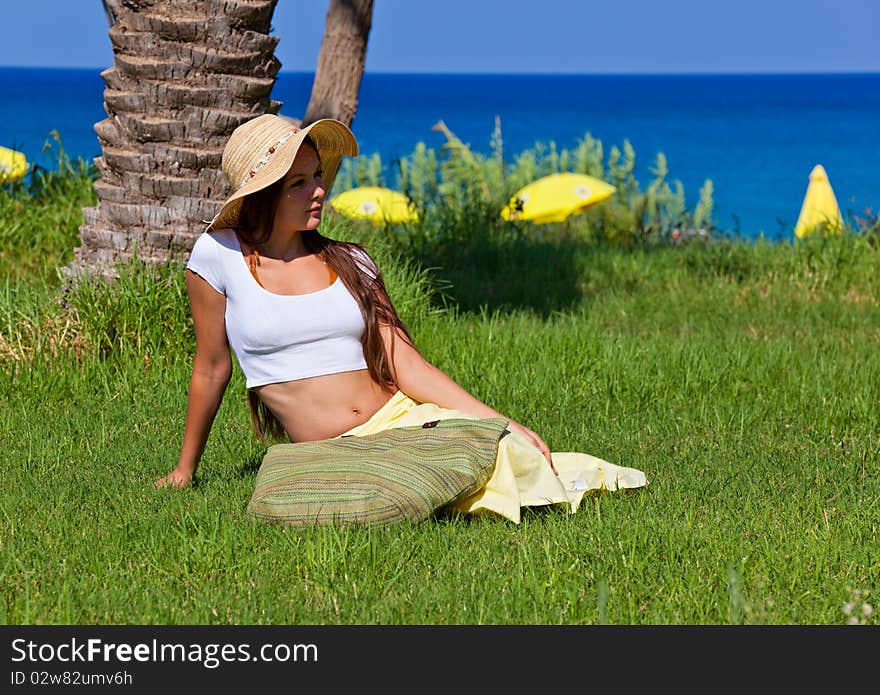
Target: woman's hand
column 534, row 439
column 177, row 478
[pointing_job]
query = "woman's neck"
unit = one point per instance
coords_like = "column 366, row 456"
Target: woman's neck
column 284, row 246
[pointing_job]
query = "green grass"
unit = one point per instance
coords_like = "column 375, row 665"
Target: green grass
column 40, row 217
column 744, row 379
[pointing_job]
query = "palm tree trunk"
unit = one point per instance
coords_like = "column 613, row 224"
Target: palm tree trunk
column 186, row 73
column 341, row 61
column 111, row 8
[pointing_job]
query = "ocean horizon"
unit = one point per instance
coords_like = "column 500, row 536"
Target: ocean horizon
column 756, row 136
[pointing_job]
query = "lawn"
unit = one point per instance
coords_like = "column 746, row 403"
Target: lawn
column 743, row 378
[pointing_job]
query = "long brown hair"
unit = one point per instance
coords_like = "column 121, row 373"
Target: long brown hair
column 255, row 227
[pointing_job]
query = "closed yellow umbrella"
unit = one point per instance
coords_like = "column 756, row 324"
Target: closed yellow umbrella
column 380, row 205
column 553, row 198
column 13, row 165
column 819, row 206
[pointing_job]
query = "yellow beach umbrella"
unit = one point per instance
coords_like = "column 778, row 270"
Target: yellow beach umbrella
column 819, row 206
column 380, row 205
column 13, row 165
column 553, row 198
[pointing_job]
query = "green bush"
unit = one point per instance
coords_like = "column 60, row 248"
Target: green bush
column 460, row 193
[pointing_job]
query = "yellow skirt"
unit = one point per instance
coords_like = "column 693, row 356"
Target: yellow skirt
column 521, row 477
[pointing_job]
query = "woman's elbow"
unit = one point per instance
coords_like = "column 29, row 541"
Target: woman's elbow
column 413, row 372
column 217, row 368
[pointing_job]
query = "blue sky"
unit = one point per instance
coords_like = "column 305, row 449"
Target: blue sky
column 491, row 36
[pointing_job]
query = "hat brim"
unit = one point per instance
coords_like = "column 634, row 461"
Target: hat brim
column 334, row 141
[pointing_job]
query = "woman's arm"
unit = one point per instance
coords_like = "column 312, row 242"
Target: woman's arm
column 212, row 369
column 423, row 382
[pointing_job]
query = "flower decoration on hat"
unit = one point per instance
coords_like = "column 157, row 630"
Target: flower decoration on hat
column 262, row 161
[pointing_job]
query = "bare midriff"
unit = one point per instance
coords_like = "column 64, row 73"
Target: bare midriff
column 323, row 407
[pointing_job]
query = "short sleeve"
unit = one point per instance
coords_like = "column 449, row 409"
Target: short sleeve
column 364, row 263
column 204, row 260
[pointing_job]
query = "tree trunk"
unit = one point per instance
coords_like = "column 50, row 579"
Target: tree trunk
column 111, row 8
column 185, row 74
column 341, row 61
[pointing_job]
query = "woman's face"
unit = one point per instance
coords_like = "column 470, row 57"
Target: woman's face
column 301, row 197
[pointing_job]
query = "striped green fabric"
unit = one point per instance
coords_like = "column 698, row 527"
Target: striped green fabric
column 399, row 474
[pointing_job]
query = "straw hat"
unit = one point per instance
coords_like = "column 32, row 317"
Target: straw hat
column 260, row 152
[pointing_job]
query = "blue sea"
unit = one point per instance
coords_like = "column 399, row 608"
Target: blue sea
column 757, row 137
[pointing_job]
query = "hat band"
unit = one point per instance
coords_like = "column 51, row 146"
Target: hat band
column 262, row 161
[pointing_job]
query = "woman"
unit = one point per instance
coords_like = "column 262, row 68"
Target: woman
column 322, row 349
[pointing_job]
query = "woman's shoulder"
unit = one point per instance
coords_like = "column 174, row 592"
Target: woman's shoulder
column 216, row 245
column 224, row 238
column 212, row 255
column 363, row 259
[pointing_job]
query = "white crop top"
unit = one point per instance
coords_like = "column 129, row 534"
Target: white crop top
column 282, row 337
